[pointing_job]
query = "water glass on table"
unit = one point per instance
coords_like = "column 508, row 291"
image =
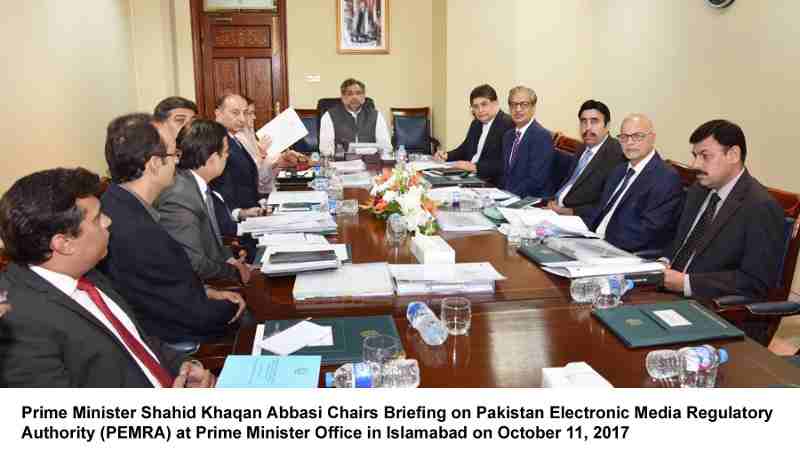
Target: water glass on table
column 396, row 229
column 456, row 315
column 380, row 348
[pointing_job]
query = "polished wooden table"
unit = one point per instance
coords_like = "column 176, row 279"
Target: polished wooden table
column 510, row 342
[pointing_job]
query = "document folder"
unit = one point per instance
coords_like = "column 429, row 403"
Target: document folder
column 348, row 336
column 452, row 180
column 665, row 323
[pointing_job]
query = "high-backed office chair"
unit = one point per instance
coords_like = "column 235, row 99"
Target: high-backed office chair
column 309, row 143
column 567, row 150
column 326, row 103
column 741, row 310
column 412, row 129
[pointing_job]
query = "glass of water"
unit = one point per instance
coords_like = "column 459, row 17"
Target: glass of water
column 380, row 348
column 396, row 229
column 514, row 235
column 456, row 315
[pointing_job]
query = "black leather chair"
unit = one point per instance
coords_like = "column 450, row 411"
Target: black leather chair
column 412, row 129
column 309, row 143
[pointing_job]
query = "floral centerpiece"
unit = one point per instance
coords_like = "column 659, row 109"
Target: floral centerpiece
column 401, row 190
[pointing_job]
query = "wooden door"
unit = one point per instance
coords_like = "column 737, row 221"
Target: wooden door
column 240, row 52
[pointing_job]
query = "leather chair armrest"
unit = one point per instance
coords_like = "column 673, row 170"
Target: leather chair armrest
column 729, row 301
column 774, row 308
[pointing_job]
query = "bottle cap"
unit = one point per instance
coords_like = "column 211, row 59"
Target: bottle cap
column 329, row 379
column 723, row 355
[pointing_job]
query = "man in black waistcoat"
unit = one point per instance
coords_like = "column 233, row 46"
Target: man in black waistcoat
column 352, row 121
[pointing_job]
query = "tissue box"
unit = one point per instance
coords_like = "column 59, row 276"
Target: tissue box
column 432, row 249
column 573, row 375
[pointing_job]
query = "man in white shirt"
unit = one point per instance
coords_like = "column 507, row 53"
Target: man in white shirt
column 642, row 198
column 69, row 328
column 352, row 121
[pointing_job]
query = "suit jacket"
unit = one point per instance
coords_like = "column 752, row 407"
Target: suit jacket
column 184, row 216
column 152, row 271
column 585, row 194
column 238, row 184
column 742, row 249
column 49, row 340
column 645, row 216
column 530, row 173
column 490, row 163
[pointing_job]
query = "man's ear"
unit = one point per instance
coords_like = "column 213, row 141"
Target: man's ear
column 61, row 244
column 735, row 151
column 153, row 164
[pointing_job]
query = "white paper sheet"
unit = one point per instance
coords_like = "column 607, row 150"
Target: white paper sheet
column 296, row 337
column 463, row 221
column 349, row 166
column 581, row 270
column 446, row 273
column 284, row 130
column 282, row 197
column 349, row 280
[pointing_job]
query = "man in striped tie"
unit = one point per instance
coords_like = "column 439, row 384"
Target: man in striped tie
column 69, row 328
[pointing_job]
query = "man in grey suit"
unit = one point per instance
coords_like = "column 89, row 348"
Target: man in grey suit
column 187, row 209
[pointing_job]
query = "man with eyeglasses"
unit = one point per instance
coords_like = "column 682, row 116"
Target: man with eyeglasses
column 582, row 190
column 528, row 154
column 148, row 267
column 641, row 198
column 353, row 120
column 730, row 238
column 482, row 150
column 187, row 207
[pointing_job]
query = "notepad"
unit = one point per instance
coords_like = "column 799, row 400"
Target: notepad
column 246, row 371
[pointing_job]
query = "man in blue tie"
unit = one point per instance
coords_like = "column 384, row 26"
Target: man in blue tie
column 642, row 198
column 588, row 174
column 528, row 152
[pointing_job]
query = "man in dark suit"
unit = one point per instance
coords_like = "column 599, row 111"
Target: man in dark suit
column 482, row 149
column 146, row 265
column 238, row 184
column 528, row 154
column 69, row 328
column 730, row 238
column 187, row 210
column 642, row 198
column 583, row 188
column 175, row 112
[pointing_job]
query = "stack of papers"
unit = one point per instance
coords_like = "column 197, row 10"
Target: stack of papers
column 362, row 179
column 590, row 251
column 291, row 239
column 284, row 130
column 363, row 148
column 422, row 165
column 494, row 193
column 581, row 269
column 301, row 334
column 291, row 222
column 242, row 371
column 349, row 166
column 546, row 222
column 349, row 280
column 463, row 221
column 573, row 375
column 271, row 268
column 423, row 279
column 297, row 201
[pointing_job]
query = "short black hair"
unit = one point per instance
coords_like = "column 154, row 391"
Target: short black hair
column 198, row 141
column 161, row 112
column 483, row 91
column 350, row 82
column 592, row 104
column 131, row 140
column 725, row 132
column 41, row 205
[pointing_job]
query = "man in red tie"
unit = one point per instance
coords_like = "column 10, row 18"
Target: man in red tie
column 69, row 328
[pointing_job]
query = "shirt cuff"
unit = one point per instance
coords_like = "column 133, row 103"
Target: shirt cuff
column 235, row 214
column 687, row 287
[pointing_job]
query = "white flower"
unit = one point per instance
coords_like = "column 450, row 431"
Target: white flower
column 389, row 196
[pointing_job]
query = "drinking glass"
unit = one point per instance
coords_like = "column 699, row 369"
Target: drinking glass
column 380, row 348
column 456, row 315
column 396, row 229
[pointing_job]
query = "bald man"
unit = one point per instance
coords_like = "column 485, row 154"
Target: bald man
column 643, row 197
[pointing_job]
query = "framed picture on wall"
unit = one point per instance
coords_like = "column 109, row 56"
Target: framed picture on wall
column 362, row 26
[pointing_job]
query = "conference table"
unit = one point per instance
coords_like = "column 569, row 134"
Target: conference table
column 527, row 324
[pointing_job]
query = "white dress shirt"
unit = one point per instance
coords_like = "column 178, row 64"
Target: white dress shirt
column 521, row 136
column 69, row 286
column 592, row 153
column 327, row 134
column 601, row 229
column 482, row 140
column 723, row 193
column 201, row 184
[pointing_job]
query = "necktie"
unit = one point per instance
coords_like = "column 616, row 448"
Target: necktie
column 212, row 215
column 685, row 252
column 130, row 340
column 610, row 204
column 575, row 174
column 514, row 146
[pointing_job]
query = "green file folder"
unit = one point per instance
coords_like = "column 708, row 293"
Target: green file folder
column 646, row 325
column 348, row 336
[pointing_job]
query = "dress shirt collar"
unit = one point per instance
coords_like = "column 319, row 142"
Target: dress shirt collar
column 201, row 184
column 726, row 189
column 150, row 210
column 524, row 128
column 488, row 125
column 62, row 282
column 597, row 146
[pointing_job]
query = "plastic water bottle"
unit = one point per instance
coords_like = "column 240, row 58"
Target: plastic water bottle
column 662, row 364
column 354, row 375
column 699, row 365
column 590, row 289
column 401, row 154
column 400, row 373
column 424, row 320
column 455, row 199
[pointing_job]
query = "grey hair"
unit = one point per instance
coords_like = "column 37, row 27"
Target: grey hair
column 523, row 89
